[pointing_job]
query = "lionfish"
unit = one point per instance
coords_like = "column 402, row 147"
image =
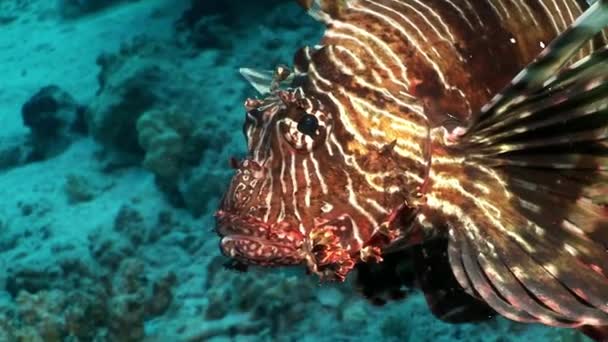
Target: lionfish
column 479, row 123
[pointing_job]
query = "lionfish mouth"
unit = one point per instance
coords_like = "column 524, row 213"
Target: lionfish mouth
column 253, row 241
column 234, row 224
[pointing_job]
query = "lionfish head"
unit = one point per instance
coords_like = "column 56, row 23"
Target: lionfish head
column 297, row 198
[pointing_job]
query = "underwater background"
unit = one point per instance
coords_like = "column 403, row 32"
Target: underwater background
column 117, row 121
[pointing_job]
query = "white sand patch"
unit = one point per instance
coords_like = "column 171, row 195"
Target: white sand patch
column 37, row 196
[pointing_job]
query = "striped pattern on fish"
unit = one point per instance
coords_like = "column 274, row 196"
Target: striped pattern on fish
column 389, row 134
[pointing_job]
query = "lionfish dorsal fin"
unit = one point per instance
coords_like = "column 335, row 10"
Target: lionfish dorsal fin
column 325, row 10
column 261, row 80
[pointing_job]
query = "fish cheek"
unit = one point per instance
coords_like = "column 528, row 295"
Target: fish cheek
column 333, row 246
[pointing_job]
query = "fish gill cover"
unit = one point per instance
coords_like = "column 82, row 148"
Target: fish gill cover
column 119, row 119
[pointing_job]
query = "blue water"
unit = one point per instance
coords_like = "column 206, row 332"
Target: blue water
column 117, row 121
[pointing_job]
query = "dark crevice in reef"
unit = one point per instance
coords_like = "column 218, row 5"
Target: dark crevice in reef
column 231, row 11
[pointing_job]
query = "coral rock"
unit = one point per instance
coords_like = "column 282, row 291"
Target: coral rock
column 54, row 119
column 201, row 188
column 171, row 140
column 143, row 76
column 14, row 151
column 78, row 189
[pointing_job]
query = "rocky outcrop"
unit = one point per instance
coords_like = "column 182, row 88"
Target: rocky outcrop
column 55, row 120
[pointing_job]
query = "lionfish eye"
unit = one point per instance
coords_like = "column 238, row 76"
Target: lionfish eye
column 308, row 125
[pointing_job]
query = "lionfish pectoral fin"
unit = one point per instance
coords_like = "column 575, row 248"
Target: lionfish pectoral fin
column 260, row 80
column 530, row 232
column 599, row 333
column 446, row 299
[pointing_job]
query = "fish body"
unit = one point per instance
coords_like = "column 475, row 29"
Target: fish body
column 421, row 120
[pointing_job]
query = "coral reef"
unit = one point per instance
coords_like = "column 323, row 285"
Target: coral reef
column 255, row 305
column 112, row 308
column 172, row 140
column 149, row 108
column 107, row 296
column 205, row 25
column 130, row 83
column 280, row 27
column 200, row 188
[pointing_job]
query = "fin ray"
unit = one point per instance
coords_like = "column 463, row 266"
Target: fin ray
column 534, row 244
column 260, row 80
column 485, row 289
column 549, row 62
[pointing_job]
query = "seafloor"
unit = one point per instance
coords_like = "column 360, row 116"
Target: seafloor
column 117, row 119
